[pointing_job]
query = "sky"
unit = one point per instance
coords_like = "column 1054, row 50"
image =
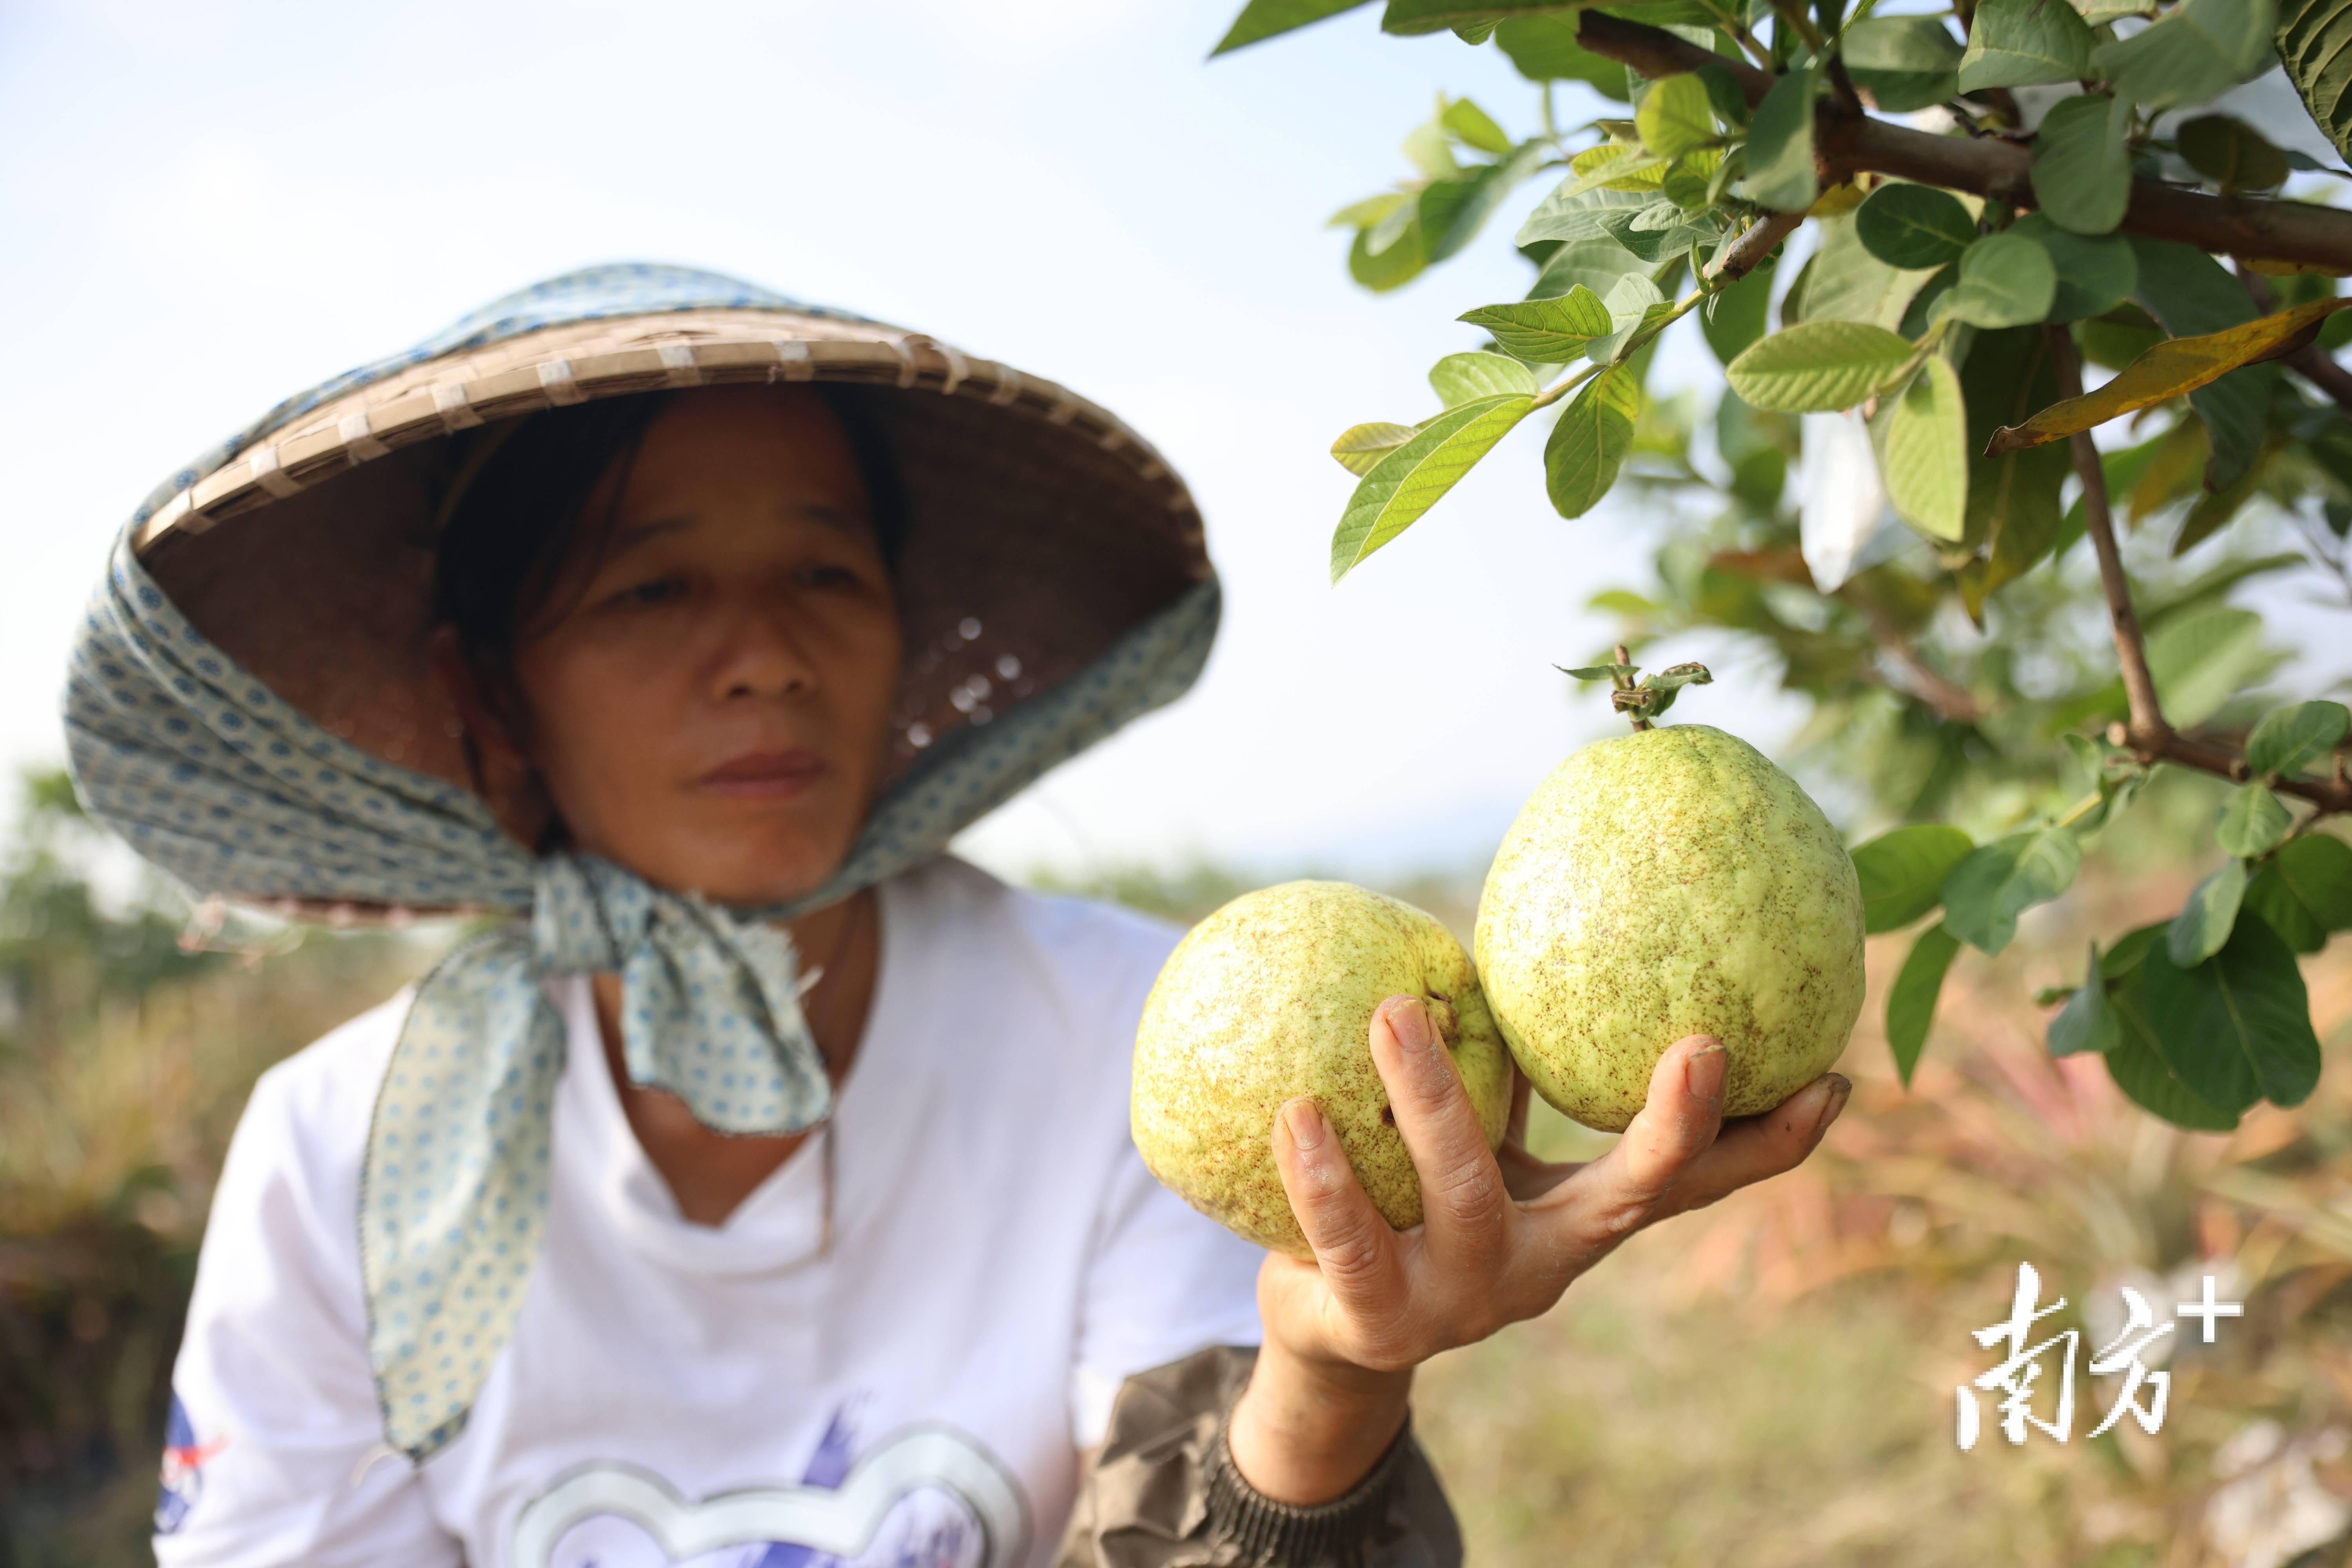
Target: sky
column 211, row 204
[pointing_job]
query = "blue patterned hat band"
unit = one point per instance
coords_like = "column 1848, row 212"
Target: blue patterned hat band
column 207, row 768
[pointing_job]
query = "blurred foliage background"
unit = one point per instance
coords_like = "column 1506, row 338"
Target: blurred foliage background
column 1770, row 1381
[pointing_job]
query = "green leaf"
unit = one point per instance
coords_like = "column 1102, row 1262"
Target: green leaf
column 1921, row 438
column 1392, row 268
column 1590, row 440
column 2200, row 661
column 1674, row 116
column 2236, row 1028
column 1912, row 227
column 2013, row 499
column 2270, row 900
column 1815, row 366
column 2086, row 1023
column 2195, row 296
column 2252, row 822
column 1361, row 447
column 2024, row 43
column 2096, row 272
column 2137, row 1065
column 1903, row 872
column 2198, row 49
column 1904, row 63
column 1452, row 211
column 2291, row 739
column 1544, row 49
column 1845, row 282
column 1911, row 1005
column 1595, row 263
column 2005, row 281
column 1604, row 671
column 2204, row 922
column 1633, row 301
column 1407, row 483
column 1548, row 331
column 1736, row 315
column 1780, row 172
column 1987, row 891
column 2229, row 152
column 1578, row 215
column 1474, row 127
column 1265, row 19
column 2081, row 166
column 2314, row 43
column 2318, row 870
column 1464, row 378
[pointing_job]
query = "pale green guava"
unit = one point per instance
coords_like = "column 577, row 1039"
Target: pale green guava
column 1271, row 997
column 1664, row 883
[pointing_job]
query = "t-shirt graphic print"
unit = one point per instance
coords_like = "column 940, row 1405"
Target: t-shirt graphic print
column 923, row 1497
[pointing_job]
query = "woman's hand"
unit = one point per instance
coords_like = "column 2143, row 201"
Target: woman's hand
column 1500, row 1239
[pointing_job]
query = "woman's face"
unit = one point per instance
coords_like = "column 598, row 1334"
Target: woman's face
column 707, row 704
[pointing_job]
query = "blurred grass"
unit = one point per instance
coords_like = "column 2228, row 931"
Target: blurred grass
column 1769, row 1382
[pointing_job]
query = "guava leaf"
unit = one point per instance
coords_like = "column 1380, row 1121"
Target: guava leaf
column 1589, row 442
column 2174, row 366
column 1266, row 18
column 2272, row 902
column 1911, row 1005
column 1921, row 436
column 1985, row 893
column 2291, row 739
column 1817, row 366
column 1912, row 227
column 1406, row 483
column 2082, row 165
column 2318, row 870
column 1547, row 331
column 2205, row 921
column 2252, row 822
column 2229, row 152
column 1361, row 447
column 1464, row 378
column 1780, row 172
column 1736, row 315
column 1474, row 127
column 2004, row 282
column 2086, row 1023
column 2096, row 272
column 2314, row 43
column 2024, row 43
column 2237, row 1027
column 2137, row 1065
column 1903, row 872
column 1544, row 49
column 2193, row 52
column 1676, row 116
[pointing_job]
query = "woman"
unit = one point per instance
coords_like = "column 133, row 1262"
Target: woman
column 760, row 1190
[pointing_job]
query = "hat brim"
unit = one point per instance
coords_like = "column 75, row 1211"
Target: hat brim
column 1041, row 529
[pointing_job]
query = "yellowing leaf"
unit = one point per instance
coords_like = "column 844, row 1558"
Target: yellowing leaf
column 1362, row 447
column 1613, row 166
column 2166, row 371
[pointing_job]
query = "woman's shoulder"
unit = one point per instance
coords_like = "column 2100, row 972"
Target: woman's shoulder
column 319, row 1098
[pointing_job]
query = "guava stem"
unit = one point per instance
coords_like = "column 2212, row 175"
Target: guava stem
column 1626, row 683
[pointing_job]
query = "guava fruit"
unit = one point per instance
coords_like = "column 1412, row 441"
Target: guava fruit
column 1271, row 997
column 1664, row 883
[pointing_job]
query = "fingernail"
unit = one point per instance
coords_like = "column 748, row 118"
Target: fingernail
column 1702, row 1071
column 1841, row 1091
column 1306, row 1124
column 1409, row 1017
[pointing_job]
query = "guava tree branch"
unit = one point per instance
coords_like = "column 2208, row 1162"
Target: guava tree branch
column 1848, row 143
column 1748, row 251
column 1922, row 681
column 2147, row 732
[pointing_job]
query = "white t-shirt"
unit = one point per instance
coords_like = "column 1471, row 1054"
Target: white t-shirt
column 732, row 1396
